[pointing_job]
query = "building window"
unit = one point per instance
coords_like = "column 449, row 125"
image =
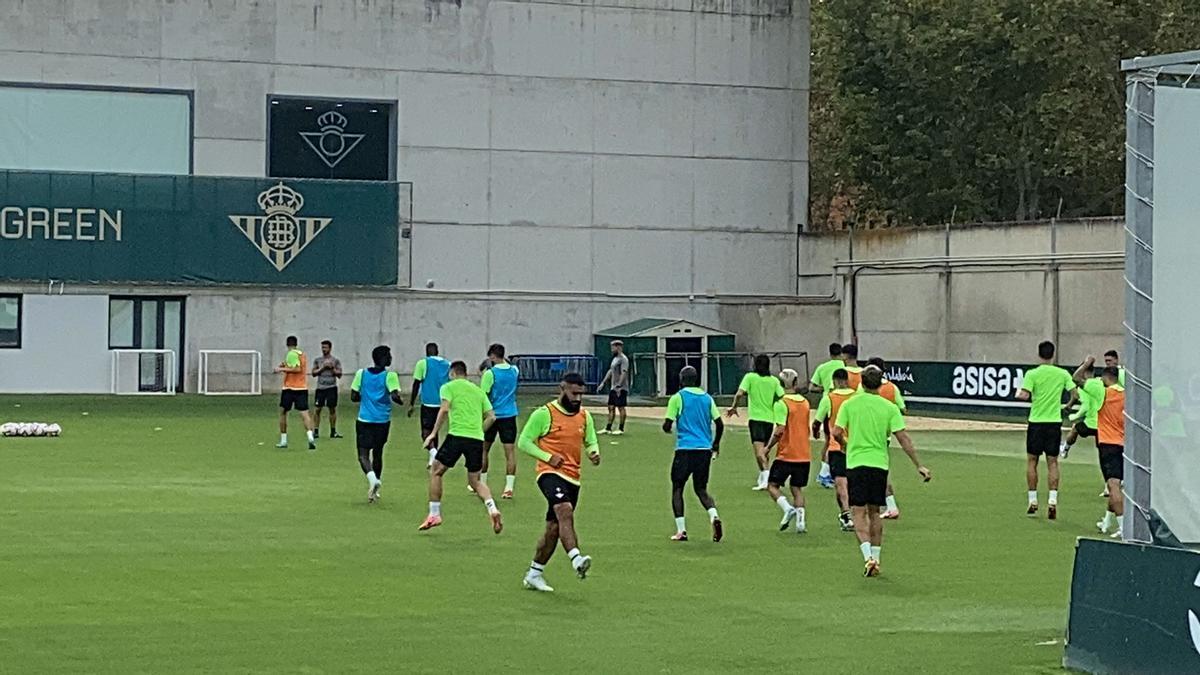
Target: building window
column 330, row 138
column 10, row 322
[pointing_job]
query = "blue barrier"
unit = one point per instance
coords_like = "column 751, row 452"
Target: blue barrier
column 548, row 369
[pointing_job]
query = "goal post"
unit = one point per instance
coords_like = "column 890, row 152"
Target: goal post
column 230, row 372
column 143, row 372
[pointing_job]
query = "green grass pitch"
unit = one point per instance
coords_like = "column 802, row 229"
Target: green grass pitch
column 168, row 535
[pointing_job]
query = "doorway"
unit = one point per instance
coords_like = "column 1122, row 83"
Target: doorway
column 148, row 322
column 689, row 352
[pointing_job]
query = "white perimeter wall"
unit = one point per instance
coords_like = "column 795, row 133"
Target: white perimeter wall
column 64, row 347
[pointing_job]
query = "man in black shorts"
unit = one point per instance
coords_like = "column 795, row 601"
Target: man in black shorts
column 1043, row 387
column 1110, row 442
column 374, row 389
column 327, row 368
column 618, row 380
column 294, row 394
column 695, row 448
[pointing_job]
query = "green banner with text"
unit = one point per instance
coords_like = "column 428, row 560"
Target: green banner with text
column 120, row 228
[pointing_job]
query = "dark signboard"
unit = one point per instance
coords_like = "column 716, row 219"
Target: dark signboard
column 317, row 138
column 951, row 383
column 183, row 229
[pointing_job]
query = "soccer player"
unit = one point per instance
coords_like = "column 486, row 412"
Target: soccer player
column 557, row 435
column 618, row 394
column 695, row 448
column 822, row 381
column 864, row 426
column 794, row 456
column 1113, row 360
column 499, row 382
column 827, row 412
column 429, row 375
column 470, row 414
column 327, row 368
column 1091, row 395
column 1043, row 387
column 1110, row 441
column 374, row 389
column 761, row 389
column 850, row 363
column 295, row 392
column 891, row 392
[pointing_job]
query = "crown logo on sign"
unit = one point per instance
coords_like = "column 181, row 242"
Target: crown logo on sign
column 332, row 121
column 280, row 199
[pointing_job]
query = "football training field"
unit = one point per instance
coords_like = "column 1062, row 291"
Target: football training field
column 169, row 535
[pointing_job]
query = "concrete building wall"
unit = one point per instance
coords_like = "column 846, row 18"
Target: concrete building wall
column 64, row 347
column 551, row 145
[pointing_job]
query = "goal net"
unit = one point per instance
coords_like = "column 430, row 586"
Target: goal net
column 144, row 372
column 230, row 372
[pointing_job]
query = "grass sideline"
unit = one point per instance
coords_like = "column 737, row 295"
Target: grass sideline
column 169, row 535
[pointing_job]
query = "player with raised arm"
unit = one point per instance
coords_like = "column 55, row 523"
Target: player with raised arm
column 696, row 446
column 294, row 393
column 1043, row 387
column 864, row 425
column 617, row 378
column 1091, row 396
column 499, row 382
column 821, row 382
column 827, row 412
column 760, row 389
column 558, row 434
column 327, row 368
column 429, row 375
column 794, row 455
column 469, row 413
column 374, row 389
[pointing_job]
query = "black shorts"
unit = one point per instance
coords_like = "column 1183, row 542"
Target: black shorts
column 618, row 399
column 760, row 432
column 783, row 471
column 429, row 415
column 326, row 398
column 505, row 428
column 1112, row 461
column 1043, row 438
column 457, row 446
column 297, row 399
column 1084, row 430
column 372, row 435
column 837, row 463
column 693, row 464
column 866, row 486
column 557, row 490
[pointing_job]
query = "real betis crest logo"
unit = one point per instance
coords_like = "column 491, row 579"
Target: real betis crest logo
column 279, row 235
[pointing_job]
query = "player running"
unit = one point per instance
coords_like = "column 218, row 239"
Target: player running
column 850, row 363
column 429, row 375
column 794, row 456
column 327, row 368
column 470, row 414
column 891, row 392
column 864, row 426
column 557, row 435
column 499, row 382
column 821, row 382
column 1043, row 387
column 1110, row 442
column 618, row 394
column 827, row 412
column 695, row 448
column 294, row 393
column 374, row 389
column 1091, row 396
column 761, row 389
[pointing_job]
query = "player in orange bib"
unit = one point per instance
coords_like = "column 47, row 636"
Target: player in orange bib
column 558, row 435
column 827, row 412
column 1110, row 442
column 295, row 392
column 794, row 454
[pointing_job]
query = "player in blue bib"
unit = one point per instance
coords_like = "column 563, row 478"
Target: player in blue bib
column 499, row 382
column 375, row 389
column 695, row 413
column 429, row 375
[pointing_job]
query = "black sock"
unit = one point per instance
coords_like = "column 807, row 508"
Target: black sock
column 622, row 426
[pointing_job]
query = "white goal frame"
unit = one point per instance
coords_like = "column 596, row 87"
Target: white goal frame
column 255, row 372
column 171, row 385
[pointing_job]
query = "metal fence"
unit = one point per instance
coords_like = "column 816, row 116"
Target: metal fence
column 721, row 372
column 548, row 369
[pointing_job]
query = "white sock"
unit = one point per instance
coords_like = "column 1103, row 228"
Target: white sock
column 712, row 514
column 371, row 479
column 510, row 482
column 310, row 436
column 824, row 469
column 491, row 505
column 866, row 550
column 875, row 551
column 283, row 439
column 483, row 478
column 680, row 525
column 1120, row 522
column 1108, row 519
column 573, row 554
column 1033, row 496
column 536, row 568
column 762, row 477
column 891, row 503
column 435, row 508
column 432, row 455
column 1053, row 497
column 783, row 503
column 800, row 515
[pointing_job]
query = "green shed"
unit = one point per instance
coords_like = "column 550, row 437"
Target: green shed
column 659, row 348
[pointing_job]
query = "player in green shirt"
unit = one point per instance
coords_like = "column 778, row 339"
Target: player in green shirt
column 761, row 390
column 1044, row 387
column 1091, row 397
column 864, row 425
column 470, row 414
column 821, row 381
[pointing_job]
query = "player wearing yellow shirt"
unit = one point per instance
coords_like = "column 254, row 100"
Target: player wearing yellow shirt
column 1044, row 387
column 760, row 389
column 821, row 382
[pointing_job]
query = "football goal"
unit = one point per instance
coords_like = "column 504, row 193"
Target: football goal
column 230, row 372
column 143, row 372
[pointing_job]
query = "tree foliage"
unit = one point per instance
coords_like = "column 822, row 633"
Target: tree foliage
column 987, row 109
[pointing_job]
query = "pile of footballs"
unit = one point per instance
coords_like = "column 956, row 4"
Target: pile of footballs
column 29, row 429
